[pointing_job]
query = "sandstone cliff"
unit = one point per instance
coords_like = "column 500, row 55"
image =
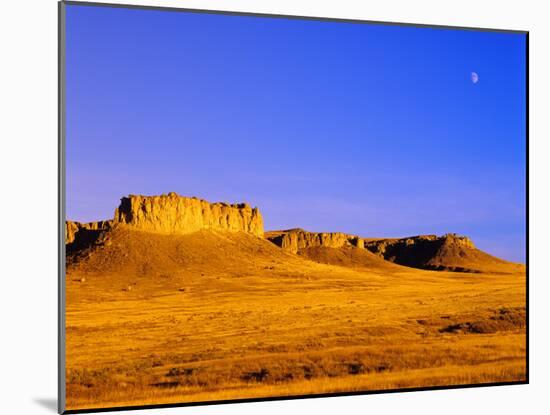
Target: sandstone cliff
column 294, row 240
column 75, row 229
column 394, row 248
column 387, row 246
column 174, row 214
column 168, row 214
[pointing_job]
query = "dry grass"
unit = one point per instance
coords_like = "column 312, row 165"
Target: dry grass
column 229, row 316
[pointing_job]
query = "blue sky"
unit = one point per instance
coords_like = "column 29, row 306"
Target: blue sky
column 369, row 129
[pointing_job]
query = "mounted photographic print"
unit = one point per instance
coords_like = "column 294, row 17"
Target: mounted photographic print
column 261, row 207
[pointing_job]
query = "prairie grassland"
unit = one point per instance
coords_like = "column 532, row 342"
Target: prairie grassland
column 246, row 320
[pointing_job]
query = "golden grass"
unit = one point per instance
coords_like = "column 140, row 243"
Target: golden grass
column 414, row 378
column 245, row 321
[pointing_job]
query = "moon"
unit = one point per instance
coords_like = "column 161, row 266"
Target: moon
column 475, row 77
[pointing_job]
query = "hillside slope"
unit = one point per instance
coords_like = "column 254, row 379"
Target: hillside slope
column 124, row 249
column 350, row 257
column 449, row 252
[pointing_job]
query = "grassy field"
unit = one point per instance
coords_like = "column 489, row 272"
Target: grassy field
column 210, row 316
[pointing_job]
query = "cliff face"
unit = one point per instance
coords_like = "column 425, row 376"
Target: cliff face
column 174, row 214
column 453, row 238
column 392, row 247
column 75, row 230
column 71, row 228
column 294, row 240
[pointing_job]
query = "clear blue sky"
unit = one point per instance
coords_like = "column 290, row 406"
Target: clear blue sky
column 368, row 129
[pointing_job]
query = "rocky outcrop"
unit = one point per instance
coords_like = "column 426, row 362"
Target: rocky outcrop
column 75, row 230
column 174, row 214
column 387, row 247
column 448, row 252
column 168, row 214
column 71, row 229
column 293, row 240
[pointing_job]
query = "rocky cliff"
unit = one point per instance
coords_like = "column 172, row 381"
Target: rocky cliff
column 448, row 252
column 75, row 230
column 294, row 240
column 392, row 247
column 174, row 214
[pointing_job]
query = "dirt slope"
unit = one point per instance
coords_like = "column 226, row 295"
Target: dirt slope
column 350, row 257
column 123, row 249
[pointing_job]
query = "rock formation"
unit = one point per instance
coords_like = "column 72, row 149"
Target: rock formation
column 294, row 240
column 73, row 230
column 400, row 249
column 174, row 214
column 167, row 214
column 449, row 252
